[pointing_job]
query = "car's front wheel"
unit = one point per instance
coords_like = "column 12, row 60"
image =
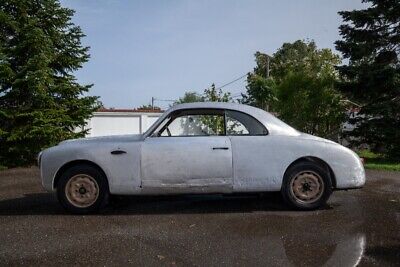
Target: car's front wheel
column 82, row 189
column 306, row 186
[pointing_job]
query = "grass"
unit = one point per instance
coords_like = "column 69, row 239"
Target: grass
column 2, row 168
column 378, row 162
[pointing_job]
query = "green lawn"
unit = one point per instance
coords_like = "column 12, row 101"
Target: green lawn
column 378, row 162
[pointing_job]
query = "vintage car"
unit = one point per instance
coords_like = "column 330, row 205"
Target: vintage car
column 196, row 148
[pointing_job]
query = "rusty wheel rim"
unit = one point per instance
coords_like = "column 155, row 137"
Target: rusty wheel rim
column 82, row 190
column 307, row 187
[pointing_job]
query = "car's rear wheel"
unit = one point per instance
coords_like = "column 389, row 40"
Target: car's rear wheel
column 82, row 189
column 306, row 186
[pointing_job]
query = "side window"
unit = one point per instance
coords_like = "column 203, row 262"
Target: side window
column 238, row 123
column 194, row 124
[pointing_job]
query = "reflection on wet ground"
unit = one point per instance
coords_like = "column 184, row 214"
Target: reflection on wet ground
column 359, row 227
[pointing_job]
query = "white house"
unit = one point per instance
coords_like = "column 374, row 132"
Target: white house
column 121, row 121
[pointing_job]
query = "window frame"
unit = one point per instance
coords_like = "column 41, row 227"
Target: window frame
column 223, row 112
column 262, row 125
column 171, row 118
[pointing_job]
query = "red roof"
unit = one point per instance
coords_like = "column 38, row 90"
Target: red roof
column 130, row 110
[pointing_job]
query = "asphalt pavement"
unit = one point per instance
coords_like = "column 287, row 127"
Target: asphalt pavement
column 357, row 227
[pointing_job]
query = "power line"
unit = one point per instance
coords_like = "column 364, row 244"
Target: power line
column 235, row 80
column 165, row 100
column 153, row 99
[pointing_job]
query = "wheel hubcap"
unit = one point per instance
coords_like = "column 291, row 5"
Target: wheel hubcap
column 82, row 190
column 307, row 187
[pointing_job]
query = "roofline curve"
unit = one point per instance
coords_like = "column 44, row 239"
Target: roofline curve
column 273, row 124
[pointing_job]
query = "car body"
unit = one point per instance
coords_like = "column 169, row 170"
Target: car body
column 213, row 148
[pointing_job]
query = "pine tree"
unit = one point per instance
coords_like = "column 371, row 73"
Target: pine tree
column 41, row 102
column 371, row 43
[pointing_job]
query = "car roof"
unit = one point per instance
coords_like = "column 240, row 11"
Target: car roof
column 219, row 105
column 273, row 124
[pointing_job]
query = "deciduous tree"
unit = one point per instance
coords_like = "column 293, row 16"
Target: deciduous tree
column 210, row 94
column 260, row 87
column 299, row 86
column 189, row 97
column 213, row 94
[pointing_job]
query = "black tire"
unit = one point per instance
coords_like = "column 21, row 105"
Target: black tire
column 307, row 170
column 98, row 180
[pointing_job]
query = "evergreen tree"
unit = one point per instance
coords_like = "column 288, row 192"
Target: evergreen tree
column 371, row 42
column 41, row 102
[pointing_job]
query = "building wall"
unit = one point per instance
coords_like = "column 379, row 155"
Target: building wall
column 116, row 123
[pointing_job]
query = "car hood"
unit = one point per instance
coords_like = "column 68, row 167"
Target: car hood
column 104, row 139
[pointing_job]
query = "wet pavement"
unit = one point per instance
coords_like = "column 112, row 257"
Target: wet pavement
column 356, row 227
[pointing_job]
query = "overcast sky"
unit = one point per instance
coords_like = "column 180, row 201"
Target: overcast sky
column 144, row 49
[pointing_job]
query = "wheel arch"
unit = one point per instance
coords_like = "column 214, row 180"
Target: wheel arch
column 70, row 164
column 317, row 161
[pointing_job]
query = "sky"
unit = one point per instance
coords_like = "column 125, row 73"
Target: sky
column 142, row 49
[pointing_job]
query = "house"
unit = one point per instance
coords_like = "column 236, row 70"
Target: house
column 110, row 121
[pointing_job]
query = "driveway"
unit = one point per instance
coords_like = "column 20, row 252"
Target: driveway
column 357, row 227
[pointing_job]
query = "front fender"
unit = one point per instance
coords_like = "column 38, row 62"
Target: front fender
column 122, row 170
column 54, row 158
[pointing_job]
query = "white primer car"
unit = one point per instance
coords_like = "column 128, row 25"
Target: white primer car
column 201, row 148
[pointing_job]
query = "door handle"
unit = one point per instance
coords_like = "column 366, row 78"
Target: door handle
column 220, row 148
column 118, row 152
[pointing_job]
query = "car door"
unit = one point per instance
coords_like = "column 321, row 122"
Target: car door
column 253, row 156
column 188, row 153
